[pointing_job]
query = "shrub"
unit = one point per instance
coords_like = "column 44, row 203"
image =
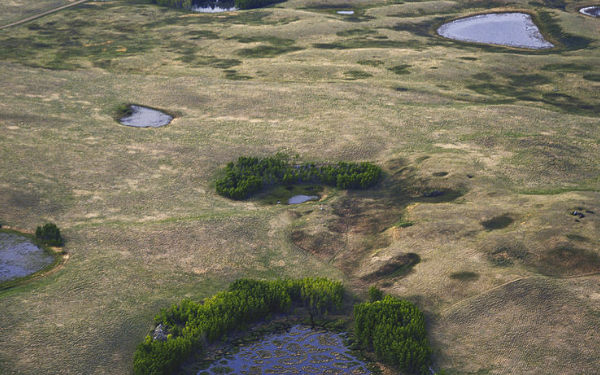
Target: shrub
column 250, row 174
column 49, row 234
column 191, row 324
column 395, row 330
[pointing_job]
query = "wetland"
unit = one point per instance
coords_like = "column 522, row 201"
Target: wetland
column 20, row 257
column 506, row 29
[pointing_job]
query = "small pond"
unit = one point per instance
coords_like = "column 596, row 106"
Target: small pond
column 302, row 350
column 297, row 199
column 144, row 117
column 507, row 29
column 593, row 11
column 19, row 257
column 345, row 12
column 213, row 6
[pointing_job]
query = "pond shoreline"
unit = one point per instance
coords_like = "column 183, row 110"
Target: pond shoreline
column 60, row 256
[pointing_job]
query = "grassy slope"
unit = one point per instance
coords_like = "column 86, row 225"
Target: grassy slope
column 15, row 10
column 145, row 228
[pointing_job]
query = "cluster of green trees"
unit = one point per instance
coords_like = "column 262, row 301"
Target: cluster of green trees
column 395, row 330
column 49, row 234
column 173, row 3
column 251, row 4
column 191, row 325
column 240, row 4
column 251, row 174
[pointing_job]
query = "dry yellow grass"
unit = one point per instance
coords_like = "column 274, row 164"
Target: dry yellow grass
column 145, row 228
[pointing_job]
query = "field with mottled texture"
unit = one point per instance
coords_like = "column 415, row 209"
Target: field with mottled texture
column 487, row 152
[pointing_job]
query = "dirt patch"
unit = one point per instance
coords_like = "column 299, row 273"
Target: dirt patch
column 568, row 260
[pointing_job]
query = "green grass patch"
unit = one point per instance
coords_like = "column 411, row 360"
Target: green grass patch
column 464, row 275
column 400, row 69
column 356, row 74
column 267, row 51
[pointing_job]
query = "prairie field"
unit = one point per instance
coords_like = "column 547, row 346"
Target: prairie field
column 487, row 152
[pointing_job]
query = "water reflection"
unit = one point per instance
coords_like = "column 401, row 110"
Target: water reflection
column 507, row 29
column 302, row 350
column 20, row 257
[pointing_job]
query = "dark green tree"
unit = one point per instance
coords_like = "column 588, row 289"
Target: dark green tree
column 49, row 234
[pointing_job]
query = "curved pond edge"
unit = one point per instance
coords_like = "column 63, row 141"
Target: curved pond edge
column 60, row 256
column 122, row 110
column 279, row 324
column 535, row 17
column 580, row 10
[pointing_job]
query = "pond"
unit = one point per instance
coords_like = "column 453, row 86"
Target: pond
column 593, row 11
column 345, row 12
column 301, row 350
column 213, row 6
column 297, row 199
column 19, row 257
column 144, row 117
column 507, row 29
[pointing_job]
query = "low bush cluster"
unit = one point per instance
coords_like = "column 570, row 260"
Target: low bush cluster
column 191, row 325
column 250, row 174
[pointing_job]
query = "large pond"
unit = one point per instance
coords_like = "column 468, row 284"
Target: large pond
column 302, row 350
column 213, row 6
column 507, row 29
column 593, row 11
column 144, row 117
column 20, row 257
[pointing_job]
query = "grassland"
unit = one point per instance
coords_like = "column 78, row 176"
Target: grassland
column 507, row 138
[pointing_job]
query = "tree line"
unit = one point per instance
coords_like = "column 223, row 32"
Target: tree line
column 192, row 325
column 239, row 4
column 395, row 331
column 250, row 174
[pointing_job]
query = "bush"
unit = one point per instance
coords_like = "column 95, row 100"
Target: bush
column 250, row 174
column 251, row 4
column 191, row 324
column 395, row 330
column 49, row 234
column 375, row 294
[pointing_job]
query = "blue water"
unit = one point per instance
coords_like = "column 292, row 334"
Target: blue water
column 297, row 199
column 593, row 11
column 20, row 257
column 302, row 350
column 143, row 117
column 507, row 29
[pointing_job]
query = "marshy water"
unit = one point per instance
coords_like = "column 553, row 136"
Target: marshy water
column 507, row 29
column 144, row 117
column 593, row 11
column 20, row 257
column 297, row 199
column 301, row 350
column 213, row 6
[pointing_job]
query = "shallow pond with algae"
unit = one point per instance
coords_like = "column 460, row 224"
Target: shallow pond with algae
column 300, row 350
column 20, row 257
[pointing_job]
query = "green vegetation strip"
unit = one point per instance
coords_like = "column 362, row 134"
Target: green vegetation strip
column 190, row 324
column 239, row 4
column 250, row 174
column 395, row 329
